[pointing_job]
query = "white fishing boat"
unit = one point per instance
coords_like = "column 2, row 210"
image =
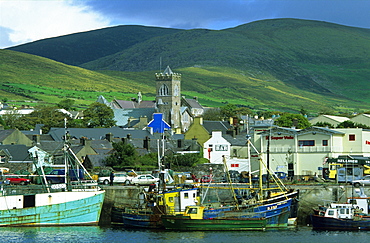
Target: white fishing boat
column 76, row 202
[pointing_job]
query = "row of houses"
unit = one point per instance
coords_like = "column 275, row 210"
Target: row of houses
column 297, row 152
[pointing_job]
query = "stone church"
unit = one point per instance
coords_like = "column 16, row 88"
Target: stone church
column 178, row 111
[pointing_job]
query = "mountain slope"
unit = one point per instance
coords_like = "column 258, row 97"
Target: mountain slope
column 79, row 48
column 313, row 56
column 28, row 77
column 283, row 64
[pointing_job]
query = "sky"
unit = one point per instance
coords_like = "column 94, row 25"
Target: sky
column 23, row 21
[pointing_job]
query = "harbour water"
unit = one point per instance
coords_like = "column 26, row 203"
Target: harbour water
column 120, row 234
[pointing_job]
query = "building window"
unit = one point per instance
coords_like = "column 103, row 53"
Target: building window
column 163, row 90
column 324, row 142
column 306, row 143
column 352, row 137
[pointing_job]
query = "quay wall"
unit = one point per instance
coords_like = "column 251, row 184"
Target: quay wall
column 310, row 197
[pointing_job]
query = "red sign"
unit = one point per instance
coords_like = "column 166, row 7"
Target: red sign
column 279, row 138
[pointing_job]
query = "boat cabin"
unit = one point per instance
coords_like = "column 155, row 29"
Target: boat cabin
column 340, row 212
column 194, row 212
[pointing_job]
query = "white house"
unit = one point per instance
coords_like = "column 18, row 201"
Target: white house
column 304, row 152
column 216, row 147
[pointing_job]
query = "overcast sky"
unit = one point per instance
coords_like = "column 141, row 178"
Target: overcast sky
column 30, row 20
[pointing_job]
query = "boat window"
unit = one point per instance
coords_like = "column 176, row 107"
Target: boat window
column 342, row 211
column 331, row 212
column 170, row 199
column 192, row 211
column 186, row 195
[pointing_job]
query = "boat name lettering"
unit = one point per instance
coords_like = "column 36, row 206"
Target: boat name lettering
column 58, row 186
column 272, row 207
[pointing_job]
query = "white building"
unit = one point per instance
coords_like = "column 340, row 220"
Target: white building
column 303, row 152
column 216, row 147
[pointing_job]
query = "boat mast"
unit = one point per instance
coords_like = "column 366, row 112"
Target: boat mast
column 65, row 152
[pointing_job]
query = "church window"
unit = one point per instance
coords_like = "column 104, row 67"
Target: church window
column 176, row 91
column 163, row 90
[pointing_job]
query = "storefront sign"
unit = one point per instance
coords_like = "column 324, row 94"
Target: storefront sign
column 280, row 137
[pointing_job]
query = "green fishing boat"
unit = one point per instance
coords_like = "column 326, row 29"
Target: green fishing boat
column 193, row 219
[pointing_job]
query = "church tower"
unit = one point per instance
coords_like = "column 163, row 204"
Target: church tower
column 168, row 96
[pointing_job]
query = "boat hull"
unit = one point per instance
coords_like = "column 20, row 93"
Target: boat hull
column 326, row 223
column 276, row 214
column 180, row 222
column 136, row 218
column 52, row 209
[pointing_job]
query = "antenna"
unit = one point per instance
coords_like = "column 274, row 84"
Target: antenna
column 160, row 64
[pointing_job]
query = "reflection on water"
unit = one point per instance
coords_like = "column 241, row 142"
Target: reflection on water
column 121, row 234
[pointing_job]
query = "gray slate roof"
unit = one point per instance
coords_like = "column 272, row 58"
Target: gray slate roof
column 121, row 116
column 19, row 153
column 216, row 126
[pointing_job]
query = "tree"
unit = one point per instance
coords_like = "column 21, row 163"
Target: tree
column 47, row 115
column 292, row 120
column 228, row 111
column 66, row 104
column 323, row 124
column 244, row 111
column 124, row 155
column 212, row 114
column 351, row 124
column 99, row 115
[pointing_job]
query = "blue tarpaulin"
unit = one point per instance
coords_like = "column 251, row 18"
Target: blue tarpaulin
column 158, row 124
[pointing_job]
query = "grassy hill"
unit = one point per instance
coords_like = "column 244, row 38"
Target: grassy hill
column 26, row 77
column 79, row 48
column 280, row 64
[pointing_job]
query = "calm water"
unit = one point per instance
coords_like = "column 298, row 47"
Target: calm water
column 120, row 234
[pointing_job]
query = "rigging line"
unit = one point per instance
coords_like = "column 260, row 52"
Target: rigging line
column 269, row 170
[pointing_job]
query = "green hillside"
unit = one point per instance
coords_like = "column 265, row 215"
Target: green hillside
column 319, row 57
column 26, row 77
column 79, row 48
column 280, row 64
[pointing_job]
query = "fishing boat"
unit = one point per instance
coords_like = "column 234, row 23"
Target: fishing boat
column 251, row 217
column 193, row 219
column 71, row 203
column 352, row 215
column 152, row 205
column 266, row 205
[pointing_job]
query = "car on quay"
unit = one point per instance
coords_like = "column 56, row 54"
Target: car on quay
column 364, row 181
column 142, row 180
column 119, row 177
column 15, row 179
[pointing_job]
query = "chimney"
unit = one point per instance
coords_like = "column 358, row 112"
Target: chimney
column 146, row 143
column 36, row 138
column 84, row 141
column 109, row 137
column 180, row 143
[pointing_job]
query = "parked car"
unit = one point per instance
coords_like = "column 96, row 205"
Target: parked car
column 15, row 179
column 119, row 177
column 142, row 180
column 58, row 175
column 206, row 179
column 364, row 181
